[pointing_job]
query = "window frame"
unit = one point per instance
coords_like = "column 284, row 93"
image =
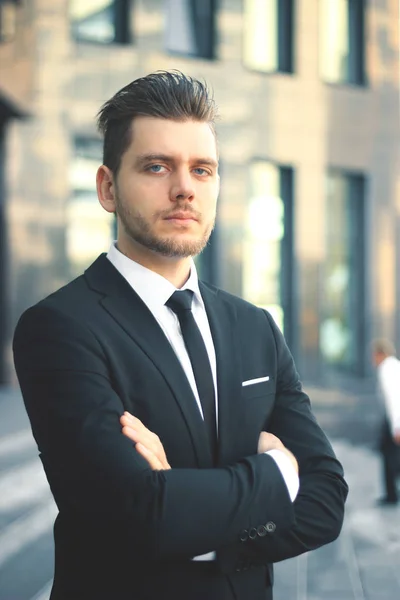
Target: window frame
column 286, row 41
column 288, row 272
column 357, row 208
column 357, row 74
column 14, row 4
column 121, row 11
column 210, row 54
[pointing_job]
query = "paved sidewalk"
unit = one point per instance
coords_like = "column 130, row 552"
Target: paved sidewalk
column 364, row 563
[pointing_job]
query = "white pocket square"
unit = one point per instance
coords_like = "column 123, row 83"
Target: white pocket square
column 253, row 381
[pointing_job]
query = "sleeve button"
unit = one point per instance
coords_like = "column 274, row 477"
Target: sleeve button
column 253, row 533
column 270, row 527
column 244, row 536
column 261, row 531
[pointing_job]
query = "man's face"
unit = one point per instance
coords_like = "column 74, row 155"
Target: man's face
column 167, row 187
column 377, row 358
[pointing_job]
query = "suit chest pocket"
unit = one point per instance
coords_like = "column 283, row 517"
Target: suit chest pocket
column 259, row 390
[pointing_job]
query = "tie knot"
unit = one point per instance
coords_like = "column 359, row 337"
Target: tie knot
column 180, row 301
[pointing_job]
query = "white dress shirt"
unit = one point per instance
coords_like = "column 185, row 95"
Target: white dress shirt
column 389, row 382
column 154, row 290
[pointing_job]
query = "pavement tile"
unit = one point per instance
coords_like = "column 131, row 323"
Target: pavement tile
column 364, row 562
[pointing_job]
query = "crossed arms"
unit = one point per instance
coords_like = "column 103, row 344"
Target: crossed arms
column 149, row 445
column 94, row 470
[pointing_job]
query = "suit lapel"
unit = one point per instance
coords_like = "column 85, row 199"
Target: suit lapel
column 128, row 310
column 222, row 318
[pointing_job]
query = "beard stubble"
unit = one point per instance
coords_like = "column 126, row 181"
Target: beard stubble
column 140, row 230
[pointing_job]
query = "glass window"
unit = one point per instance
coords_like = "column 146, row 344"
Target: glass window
column 342, row 41
column 207, row 261
column 100, row 21
column 268, row 35
column 342, row 311
column 267, row 245
column 90, row 229
column 191, row 27
column 8, row 20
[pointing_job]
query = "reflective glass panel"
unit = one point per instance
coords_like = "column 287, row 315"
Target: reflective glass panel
column 343, row 272
column 260, row 35
column 93, row 20
column 334, row 36
column 89, row 227
column 264, row 233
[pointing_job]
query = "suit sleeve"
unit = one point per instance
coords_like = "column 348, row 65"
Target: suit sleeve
column 319, row 506
column 95, row 472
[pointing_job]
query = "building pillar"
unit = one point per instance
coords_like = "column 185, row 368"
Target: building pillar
column 3, row 263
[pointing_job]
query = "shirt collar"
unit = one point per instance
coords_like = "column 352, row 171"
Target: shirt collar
column 152, row 288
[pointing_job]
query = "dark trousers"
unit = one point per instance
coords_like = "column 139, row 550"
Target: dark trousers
column 202, row 581
column 390, row 452
column 194, row 580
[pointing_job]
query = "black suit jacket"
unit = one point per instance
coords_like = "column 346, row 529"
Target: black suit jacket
column 92, row 350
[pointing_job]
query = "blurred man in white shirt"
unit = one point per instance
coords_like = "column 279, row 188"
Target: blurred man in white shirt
column 388, row 372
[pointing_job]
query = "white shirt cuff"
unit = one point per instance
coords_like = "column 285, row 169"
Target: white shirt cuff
column 288, row 472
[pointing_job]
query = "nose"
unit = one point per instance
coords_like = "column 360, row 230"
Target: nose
column 182, row 187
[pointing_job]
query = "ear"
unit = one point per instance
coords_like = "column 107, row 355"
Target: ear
column 106, row 188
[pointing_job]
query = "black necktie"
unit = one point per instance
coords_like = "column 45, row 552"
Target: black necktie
column 181, row 304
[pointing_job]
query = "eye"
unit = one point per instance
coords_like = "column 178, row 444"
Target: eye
column 155, row 168
column 201, row 171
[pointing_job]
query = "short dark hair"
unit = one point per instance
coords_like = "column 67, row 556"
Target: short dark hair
column 163, row 94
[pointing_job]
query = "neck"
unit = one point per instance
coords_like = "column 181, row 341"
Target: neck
column 380, row 358
column 175, row 269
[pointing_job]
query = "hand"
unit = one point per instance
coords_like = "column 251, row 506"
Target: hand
column 269, row 441
column 396, row 437
column 147, row 443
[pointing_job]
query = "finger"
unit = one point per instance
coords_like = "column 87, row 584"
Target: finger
column 133, row 420
column 129, row 415
column 124, row 420
column 128, row 419
column 149, row 438
column 130, row 433
column 134, row 423
column 154, row 462
column 134, row 429
column 139, row 437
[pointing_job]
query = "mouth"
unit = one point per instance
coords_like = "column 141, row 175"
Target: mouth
column 181, row 217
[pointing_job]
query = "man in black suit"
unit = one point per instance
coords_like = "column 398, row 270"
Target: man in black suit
column 177, row 441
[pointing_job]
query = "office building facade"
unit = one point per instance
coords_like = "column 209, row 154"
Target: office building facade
column 309, row 210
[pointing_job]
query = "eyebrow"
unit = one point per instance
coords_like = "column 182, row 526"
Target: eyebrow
column 145, row 158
